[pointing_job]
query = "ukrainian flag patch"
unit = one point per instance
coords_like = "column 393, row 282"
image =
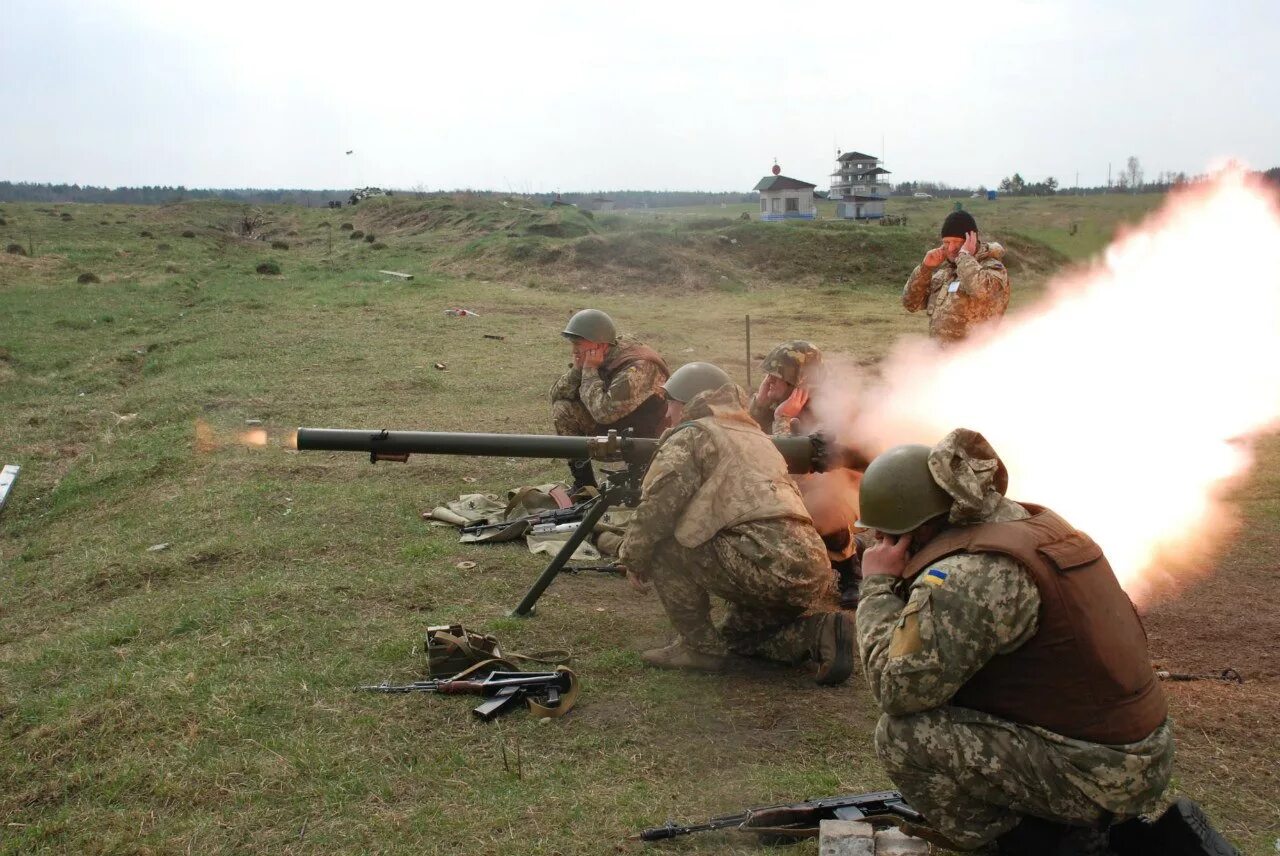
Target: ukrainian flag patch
column 935, row 576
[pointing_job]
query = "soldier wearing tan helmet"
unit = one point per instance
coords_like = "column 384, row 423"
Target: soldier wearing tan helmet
column 614, row 383
column 1020, row 709
column 793, row 373
column 719, row 515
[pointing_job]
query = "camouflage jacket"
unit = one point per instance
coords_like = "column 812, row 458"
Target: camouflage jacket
column 625, row 391
column 960, row 294
column 918, row 651
column 696, row 458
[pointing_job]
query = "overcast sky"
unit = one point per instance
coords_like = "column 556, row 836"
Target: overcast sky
column 537, row 96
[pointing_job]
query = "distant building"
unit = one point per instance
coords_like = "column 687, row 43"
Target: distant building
column 601, row 204
column 858, row 186
column 784, row 198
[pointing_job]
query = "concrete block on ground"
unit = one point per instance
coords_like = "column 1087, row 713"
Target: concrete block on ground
column 894, row 842
column 846, row 838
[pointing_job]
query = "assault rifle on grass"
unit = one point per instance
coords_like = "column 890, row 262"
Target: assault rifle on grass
column 502, row 690
column 554, row 517
column 811, row 454
column 799, row 820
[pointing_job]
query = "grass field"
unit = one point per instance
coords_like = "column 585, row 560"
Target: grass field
column 196, row 698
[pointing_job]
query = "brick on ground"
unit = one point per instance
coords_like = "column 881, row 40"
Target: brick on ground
column 846, row 838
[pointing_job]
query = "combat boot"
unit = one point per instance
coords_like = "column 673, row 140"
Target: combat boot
column 1035, row 836
column 848, row 573
column 680, row 655
column 835, row 636
column 1183, row 830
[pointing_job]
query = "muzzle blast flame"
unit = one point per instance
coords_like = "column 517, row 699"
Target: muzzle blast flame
column 1128, row 398
column 208, row 439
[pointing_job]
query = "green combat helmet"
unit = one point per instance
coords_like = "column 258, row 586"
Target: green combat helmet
column 592, row 325
column 793, row 362
column 898, row 492
column 693, row 378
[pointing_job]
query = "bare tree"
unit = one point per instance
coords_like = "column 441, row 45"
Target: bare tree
column 1133, row 170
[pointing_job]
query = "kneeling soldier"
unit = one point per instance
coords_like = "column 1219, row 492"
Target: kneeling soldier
column 719, row 515
column 1020, row 709
column 793, row 377
column 615, row 382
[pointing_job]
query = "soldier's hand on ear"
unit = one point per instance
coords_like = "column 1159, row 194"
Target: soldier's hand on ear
column 970, row 245
column 887, row 557
column 794, row 404
column 935, row 257
column 593, row 355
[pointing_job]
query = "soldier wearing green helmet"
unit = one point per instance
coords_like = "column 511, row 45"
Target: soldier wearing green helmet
column 719, row 515
column 1020, row 710
column 613, row 383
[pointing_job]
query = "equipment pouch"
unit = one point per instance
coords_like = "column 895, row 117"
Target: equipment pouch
column 451, row 649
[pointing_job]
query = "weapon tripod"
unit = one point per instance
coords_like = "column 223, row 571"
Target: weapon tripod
column 620, row 488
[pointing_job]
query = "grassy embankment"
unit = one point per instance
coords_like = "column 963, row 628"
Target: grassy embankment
column 196, row 698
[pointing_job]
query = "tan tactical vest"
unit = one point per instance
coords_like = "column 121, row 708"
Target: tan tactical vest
column 647, row 419
column 1086, row 673
column 749, row 483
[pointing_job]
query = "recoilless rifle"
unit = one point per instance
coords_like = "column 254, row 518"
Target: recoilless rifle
column 811, row 454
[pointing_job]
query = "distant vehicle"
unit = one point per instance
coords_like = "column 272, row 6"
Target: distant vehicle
column 922, row 196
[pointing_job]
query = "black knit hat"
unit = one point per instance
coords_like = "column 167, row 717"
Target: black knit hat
column 958, row 224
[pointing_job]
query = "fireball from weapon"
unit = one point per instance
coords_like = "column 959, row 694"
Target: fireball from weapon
column 1129, row 398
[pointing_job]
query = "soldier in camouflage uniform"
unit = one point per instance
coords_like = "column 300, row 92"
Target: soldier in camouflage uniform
column 782, row 406
column 1020, row 707
column 718, row 515
column 792, row 371
column 961, row 284
column 614, row 383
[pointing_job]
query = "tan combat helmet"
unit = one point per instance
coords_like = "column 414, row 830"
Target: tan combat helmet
column 898, row 492
column 592, row 325
column 693, row 378
column 794, row 361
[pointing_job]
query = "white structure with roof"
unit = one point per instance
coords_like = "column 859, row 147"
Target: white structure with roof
column 858, row 186
column 785, row 198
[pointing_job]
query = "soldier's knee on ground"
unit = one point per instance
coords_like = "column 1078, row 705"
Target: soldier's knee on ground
column 902, row 741
column 570, row 419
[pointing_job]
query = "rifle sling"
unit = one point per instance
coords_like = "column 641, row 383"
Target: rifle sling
column 567, row 698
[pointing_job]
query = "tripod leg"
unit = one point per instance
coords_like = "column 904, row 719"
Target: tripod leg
column 598, row 507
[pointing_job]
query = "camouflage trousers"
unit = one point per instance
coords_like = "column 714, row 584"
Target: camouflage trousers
column 773, row 575
column 571, row 419
column 973, row 776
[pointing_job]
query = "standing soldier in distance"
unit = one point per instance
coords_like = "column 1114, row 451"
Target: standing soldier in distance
column 1020, row 709
column 614, row 383
column 793, row 374
column 962, row 283
column 719, row 515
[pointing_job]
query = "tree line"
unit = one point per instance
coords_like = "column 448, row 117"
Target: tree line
column 30, row 191
column 26, row 191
